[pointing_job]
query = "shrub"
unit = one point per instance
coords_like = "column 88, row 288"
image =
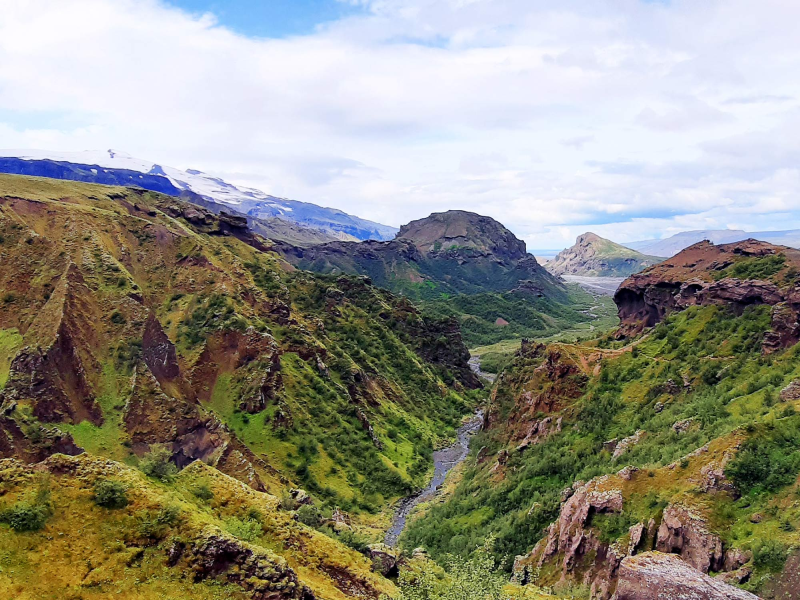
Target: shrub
column 248, row 530
column 118, row 318
column 154, row 525
column 309, row 515
column 473, row 579
column 203, row 492
column 25, row 517
column 30, row 516
column 157, row 464
column 768, row 461
column 355, row 541
column 770, row 555
column 111, row 494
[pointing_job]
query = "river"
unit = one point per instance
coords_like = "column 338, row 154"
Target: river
column 443, row 461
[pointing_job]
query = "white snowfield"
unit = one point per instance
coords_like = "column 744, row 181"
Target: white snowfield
column 191, row 180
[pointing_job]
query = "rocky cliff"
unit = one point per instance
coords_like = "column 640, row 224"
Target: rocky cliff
column 594, row 256
column 748, row 273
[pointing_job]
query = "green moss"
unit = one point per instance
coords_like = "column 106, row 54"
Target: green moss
column 10, row 343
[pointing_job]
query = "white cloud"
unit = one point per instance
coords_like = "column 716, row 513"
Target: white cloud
column 624, row 117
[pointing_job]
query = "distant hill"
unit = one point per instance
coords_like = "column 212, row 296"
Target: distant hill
column 455, row 252
column 117, row 168
column 672, row 245
column 594, row 256
column 463, row 266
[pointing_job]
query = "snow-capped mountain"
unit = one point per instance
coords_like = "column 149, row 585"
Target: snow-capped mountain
column 118, row 168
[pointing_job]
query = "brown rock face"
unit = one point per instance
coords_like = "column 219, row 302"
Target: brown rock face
column 595, row 256
column 656, row 576
column 684, row 532
column 688, row 279
column 570, row 538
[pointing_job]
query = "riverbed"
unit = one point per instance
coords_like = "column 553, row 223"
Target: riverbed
column 605, row 286
column 444, row 461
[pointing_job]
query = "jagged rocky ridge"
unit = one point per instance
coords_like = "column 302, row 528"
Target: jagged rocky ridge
column 741, row 274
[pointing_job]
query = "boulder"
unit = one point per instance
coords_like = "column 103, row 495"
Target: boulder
column 683, row 531
column 384, row 560
column 657, row 576
column 627, row 443
column 791, row 392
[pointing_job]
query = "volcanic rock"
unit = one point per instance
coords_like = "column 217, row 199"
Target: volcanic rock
column 657, row 576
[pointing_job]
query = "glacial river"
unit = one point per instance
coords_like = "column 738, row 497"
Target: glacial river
column 443, row 461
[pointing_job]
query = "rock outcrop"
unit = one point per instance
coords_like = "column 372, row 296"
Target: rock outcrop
column 657, row 576
column 451, row 252
column 683, row 531
column 705, row 274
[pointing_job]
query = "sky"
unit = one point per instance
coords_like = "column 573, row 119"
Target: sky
column 633, row 119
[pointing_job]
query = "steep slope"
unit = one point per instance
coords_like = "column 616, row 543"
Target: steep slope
column 129, row 320
column 672, row 245
column 683, row 441
column 204, row 535
column 117, row 168
column 594, row 256
column 461, row 265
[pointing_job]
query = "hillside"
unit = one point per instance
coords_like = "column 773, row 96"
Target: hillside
column 461, row 265
column 594, row 256
column 456, row 252
column 117, row 168
column 130, row 319
column 202, row 535
column 645, row 466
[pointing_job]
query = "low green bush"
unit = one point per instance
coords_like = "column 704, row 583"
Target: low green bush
column 111, row 494
column 157, row 464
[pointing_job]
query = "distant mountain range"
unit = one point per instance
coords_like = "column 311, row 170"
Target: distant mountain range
column 672, row 245
column 594, row 256
column 117, row 168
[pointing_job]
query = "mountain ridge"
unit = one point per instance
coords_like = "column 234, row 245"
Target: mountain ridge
column 119, row 168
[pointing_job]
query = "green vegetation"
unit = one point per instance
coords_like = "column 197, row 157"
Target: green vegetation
column 10, row 342
column 715, row 351
column 30, row 515
column 769, row 460
column 754, row 267
column 475, row 578
column 247, row 529
column 770, row 555
column 527, row 316
column 111, row 494
column 158, row 465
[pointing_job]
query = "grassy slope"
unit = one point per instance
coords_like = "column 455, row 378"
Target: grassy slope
column 86, row 551
column 732, row 386
column 202, row 286
column 598, row 314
